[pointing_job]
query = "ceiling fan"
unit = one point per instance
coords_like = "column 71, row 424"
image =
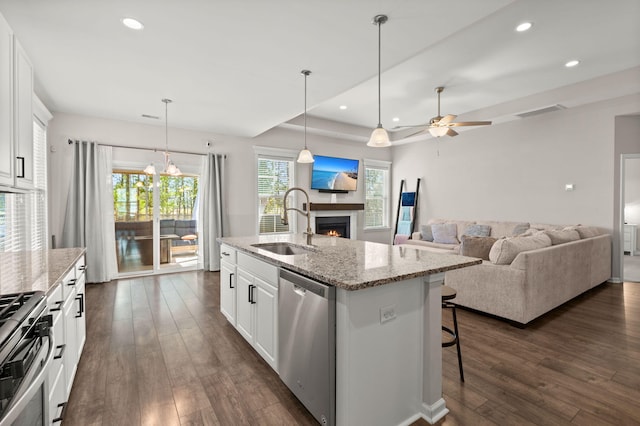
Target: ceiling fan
column 440, row 126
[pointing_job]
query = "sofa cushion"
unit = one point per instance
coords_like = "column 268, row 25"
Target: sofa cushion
column 425, row 233
column 562, row 236
column 586, row 231
column 520, row 228
column 506, row 249
column 445, row 233
column 476, row 246
column 500, row 229
column 477, row 230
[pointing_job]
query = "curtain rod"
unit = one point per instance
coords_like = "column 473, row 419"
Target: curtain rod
column 148, row 149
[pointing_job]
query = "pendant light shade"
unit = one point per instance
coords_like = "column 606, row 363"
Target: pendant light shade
column 305, row 155
column 379, row 136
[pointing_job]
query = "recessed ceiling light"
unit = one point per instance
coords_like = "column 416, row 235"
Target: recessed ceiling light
column 343, row 107
column 132, row 23
column 572, row 63
column 396, row 119
column 524, row 27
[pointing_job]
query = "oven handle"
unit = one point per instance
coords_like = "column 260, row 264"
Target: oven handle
column 32, row 381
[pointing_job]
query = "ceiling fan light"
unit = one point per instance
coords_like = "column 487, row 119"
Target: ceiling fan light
column 438, row 131
column 305, row 156
column 379, row 138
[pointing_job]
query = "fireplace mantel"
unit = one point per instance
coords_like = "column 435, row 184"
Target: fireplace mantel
column 333, row 206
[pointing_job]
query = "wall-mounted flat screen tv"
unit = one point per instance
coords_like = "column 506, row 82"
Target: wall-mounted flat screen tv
column 334, row 174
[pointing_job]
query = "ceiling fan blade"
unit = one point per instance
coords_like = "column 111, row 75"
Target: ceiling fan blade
column 451, row 132
column 410, row 126
column 415, row 133
column 447, row 119
column 470, row 123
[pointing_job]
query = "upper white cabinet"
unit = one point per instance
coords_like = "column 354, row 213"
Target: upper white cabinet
column 6, row 104
column 16, row 112
column 23, row 118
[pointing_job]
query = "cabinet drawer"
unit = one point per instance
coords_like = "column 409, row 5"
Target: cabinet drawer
column 58, row 333
column 259, row 268
column 68, row 283
column 228, row 253
column 80, row 267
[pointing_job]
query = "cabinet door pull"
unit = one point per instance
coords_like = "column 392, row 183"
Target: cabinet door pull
column 72, row 282
column 231, row 280
column 64, row 408
column 80, row 298
column 22, row 168
column 82, row 268
column 62, row 348
column 251, row 300
column 58, row 306
column 224, row 253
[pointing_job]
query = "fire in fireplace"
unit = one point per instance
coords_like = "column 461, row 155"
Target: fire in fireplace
column 335, row 226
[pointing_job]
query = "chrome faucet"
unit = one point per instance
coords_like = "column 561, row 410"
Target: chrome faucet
column 285, row 219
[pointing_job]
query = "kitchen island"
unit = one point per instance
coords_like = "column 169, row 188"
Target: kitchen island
column 388, row 358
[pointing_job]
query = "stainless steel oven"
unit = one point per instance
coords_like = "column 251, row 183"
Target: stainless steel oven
column 26, row 352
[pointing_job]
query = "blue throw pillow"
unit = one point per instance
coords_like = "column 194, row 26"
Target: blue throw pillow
column 425, row 233
column 477, row 230
column 445, row 233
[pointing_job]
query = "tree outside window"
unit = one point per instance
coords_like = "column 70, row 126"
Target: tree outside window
column 274, row 179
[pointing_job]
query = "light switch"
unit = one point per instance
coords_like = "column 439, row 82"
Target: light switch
column 568, row 187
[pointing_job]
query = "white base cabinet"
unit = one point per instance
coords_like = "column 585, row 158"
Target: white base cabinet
column 66, row 306
column 228, row 283
column 629, row 234
column 249, row 300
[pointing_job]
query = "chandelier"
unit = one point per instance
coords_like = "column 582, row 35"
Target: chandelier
column 169, row 166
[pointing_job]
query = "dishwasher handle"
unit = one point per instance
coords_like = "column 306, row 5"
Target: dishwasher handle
column 303, row 284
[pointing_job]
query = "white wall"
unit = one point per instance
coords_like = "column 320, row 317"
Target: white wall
column 517, row 170
column 632, row 191
column 241, row 175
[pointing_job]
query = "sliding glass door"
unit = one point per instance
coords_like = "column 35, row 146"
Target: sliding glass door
column 155, row 221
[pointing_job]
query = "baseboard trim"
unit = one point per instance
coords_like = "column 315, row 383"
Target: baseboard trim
column 615, row 280
column 434, row 412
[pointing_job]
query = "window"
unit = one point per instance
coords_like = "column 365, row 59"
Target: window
column 275, row 177
column 376, row 206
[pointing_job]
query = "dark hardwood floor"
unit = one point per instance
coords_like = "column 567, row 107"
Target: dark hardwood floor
column 159, row 352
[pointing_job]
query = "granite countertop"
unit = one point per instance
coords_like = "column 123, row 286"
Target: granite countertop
column 352, row 264
column 22, row 271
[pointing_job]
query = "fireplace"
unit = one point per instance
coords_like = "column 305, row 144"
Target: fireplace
column 335, row 226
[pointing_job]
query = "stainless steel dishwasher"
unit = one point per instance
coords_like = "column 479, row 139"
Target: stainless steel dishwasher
column 307, row 343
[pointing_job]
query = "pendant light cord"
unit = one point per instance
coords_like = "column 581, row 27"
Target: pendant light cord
column 379, row 67
column 306, row 73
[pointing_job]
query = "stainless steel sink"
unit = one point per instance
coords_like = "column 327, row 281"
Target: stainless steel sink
column 283, row 248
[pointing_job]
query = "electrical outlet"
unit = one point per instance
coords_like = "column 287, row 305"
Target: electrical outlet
column 387, row 313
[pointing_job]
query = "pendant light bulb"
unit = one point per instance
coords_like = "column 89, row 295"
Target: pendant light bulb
column 305, row 155
column 379, row 137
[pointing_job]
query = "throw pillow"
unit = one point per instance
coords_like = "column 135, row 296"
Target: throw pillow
column 586, row 231
column 445, row 233
column 425, row 233
column 562, row 236
column 520, row 228
column 477, row 230
column 506, row 249
column 476, row 246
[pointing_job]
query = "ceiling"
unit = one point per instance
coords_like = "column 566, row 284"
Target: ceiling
column 233, row 67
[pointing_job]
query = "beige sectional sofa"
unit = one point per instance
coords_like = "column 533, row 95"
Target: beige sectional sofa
column 529, row 274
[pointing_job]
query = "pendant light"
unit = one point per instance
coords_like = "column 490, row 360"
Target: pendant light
column 305, row 155
column 379, row 136
column 169, row 166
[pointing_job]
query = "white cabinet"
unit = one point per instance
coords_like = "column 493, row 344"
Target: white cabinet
column 252, row 305
column 66, row 306
column 16, row 112
column 228, row 283
column 630, row 235
column 6, row 104
column 23, row 118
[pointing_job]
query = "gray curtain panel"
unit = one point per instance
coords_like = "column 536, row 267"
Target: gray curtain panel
column 211, row 210
column 89, row 216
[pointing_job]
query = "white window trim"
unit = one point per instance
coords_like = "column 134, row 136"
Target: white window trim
column 276, row 154
column 380, row 165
